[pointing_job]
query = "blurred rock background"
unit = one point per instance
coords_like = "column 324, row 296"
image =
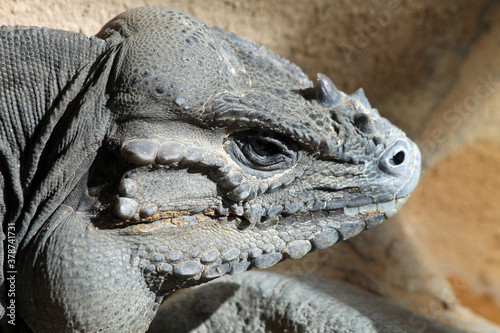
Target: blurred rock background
column 433, row 69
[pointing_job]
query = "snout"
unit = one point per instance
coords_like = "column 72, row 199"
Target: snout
column 402, row 162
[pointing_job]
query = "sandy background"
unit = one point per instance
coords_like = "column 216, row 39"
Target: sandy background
column 432, row 68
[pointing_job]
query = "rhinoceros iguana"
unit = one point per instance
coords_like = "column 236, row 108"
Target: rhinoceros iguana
column 162, row 154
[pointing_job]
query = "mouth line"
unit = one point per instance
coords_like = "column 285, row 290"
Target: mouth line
column 167, row 221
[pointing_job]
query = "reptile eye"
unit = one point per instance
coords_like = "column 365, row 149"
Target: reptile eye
column 262, row 151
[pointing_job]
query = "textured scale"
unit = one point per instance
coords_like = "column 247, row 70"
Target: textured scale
column 162, row 154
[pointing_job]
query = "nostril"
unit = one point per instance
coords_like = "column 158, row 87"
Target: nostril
column 394, row 160
column 397, row 159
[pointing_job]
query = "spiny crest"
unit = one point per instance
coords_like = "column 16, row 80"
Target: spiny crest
column 360, row 96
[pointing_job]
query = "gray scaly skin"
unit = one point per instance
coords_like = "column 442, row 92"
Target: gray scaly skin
column 162, row 154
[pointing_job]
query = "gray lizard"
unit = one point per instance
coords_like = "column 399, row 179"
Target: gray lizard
column 162, row 154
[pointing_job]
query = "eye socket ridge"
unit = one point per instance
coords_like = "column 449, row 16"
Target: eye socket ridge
column 263, row 151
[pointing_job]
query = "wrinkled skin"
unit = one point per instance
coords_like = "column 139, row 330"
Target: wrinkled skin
column 162, row 154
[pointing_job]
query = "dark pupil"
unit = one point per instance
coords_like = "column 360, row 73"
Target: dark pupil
column 264, row 148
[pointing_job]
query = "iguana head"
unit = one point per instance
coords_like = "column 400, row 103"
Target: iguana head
column 219, row 157
column 220, row 142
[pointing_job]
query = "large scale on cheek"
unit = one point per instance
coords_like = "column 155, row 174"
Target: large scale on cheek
column 162, row 182
column 153, row 187
column 149, row 193
column 163, row 152
column 141, row 196
column 140, row 151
